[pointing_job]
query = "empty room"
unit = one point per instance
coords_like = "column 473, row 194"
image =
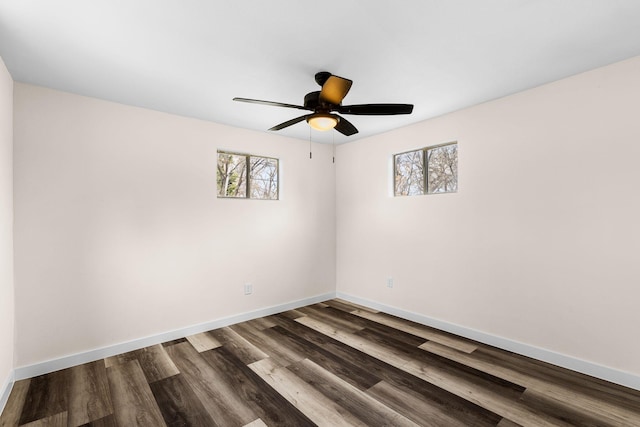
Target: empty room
column 358, row 213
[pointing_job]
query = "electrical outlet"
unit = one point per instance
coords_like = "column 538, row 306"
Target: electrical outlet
column 248, row 288
column 389, row 282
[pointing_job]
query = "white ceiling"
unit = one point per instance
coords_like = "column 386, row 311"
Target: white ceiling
column 191, row 57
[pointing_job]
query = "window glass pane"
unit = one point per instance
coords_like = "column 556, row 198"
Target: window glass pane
column 232, row 175
column 443, row 169
column 409, row 173
column 263, row 178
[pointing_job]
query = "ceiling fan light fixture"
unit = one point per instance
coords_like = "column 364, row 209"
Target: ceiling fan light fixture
column 322, row 121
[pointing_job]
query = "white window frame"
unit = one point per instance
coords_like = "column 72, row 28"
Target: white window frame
column 248, row 157
column 425, row 177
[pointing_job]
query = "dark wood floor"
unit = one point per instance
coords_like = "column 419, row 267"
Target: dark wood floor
column 330, row 364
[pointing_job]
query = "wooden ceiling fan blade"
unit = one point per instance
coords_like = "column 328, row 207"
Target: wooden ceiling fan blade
column 290, row 122
column 274, row 104
column 335, row 89
column 376, row 109
column 345, row 127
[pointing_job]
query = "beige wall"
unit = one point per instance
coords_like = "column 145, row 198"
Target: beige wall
column 6, row 227
column 541, row 244
column 119, row 234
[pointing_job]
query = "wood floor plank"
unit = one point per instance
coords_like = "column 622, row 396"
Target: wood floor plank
column 203, row 342
column 405, row 337
column 133, row 401
column 315, row 405
column 599, row 389
column 339, row 349
column 483, row 397
column 47, row 396
column 108, row 421
column 507, row 423
column 10, row 417
column 567, row 413
column 242, row 348
column 350, row 372
column 292, row 314
column 409, row 352
column 469, row 390
column 349, row 339
column 254, row 391
column 256, row 423
column 173, row 342
column 57, row 420
column 89, row 396
column 347, row 306
column 358, row 403
column 327, row 316
column 418, row 410
column 118, row 359
column 179, row 404
column 260, row 323
column 380, row 348
column 420, row 330
column 219, row 398
column 392, row 374
column 129, row 356
column 267, row 341
column 430, row 394
column 572, row 397
column 398, row 378
column 154, row 361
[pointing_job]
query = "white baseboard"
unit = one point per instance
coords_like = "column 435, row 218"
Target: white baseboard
column 589, row 368
column 603, row 372
column 5, row 391
column 100, row 353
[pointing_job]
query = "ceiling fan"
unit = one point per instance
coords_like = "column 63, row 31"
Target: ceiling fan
column 327, row 101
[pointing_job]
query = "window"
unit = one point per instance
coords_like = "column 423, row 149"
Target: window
column 440, row 175
column 409, row 171
column 263, row 178
column 245, row 176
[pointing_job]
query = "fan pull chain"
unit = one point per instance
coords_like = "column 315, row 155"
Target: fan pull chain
column 310, row 155
column 333, row 142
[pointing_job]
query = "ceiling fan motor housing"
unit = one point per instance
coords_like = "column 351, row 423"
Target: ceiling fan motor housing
column 322, row 77
column 312, row 100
